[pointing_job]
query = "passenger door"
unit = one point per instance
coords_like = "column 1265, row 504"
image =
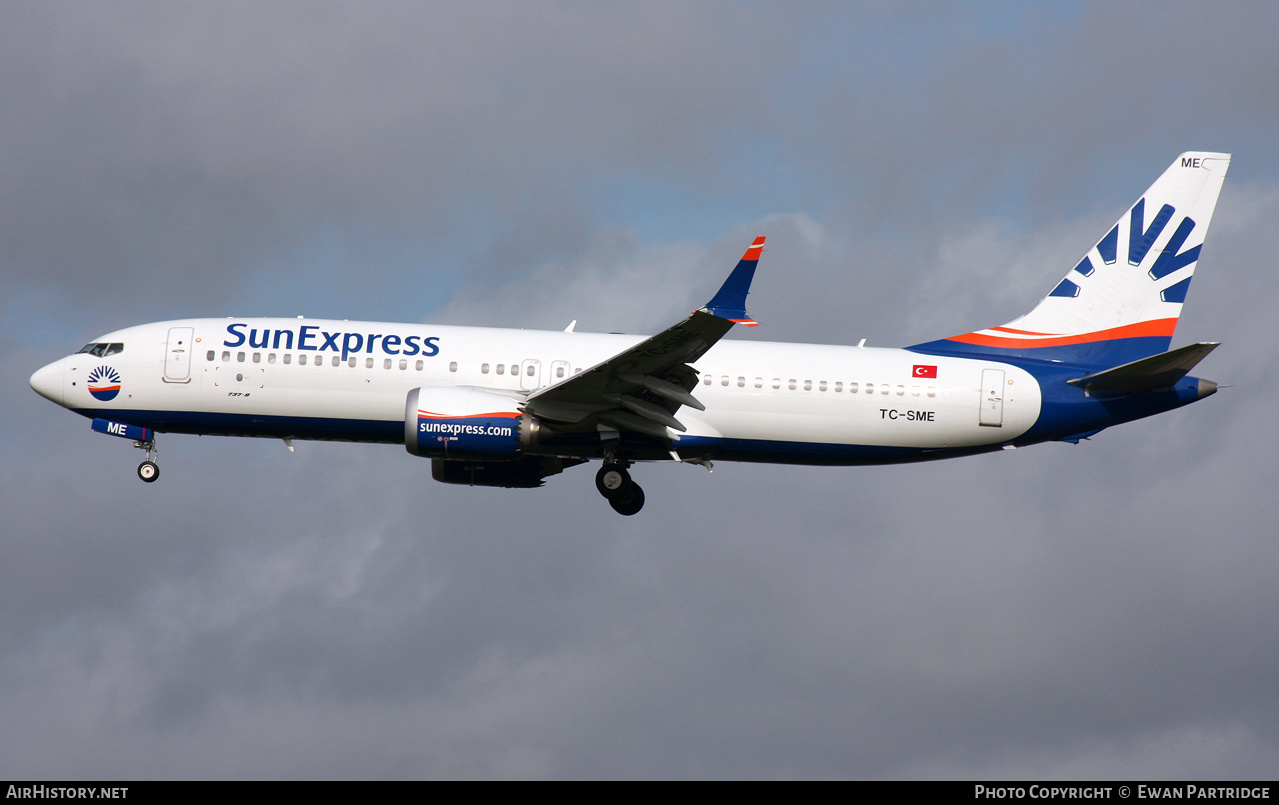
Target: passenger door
column 177, row 355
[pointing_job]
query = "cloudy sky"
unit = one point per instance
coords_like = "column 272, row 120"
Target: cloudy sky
column 1101, row 610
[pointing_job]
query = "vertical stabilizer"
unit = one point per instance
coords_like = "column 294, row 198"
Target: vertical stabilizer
column 1121, row 302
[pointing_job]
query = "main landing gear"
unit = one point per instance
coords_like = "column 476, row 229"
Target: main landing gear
column 148, row 470
column 615, row 484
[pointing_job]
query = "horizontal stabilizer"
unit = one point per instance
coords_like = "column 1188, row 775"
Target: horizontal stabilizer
column 1147, row 374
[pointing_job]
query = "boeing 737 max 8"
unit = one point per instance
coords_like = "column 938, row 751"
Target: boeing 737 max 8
column 508, row 408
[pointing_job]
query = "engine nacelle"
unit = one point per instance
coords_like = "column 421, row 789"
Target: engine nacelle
column 462, row 424
column 527, row 472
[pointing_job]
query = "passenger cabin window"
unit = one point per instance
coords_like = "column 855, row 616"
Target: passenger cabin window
column 453, row 366
column 302, row 359
column 368, row 363
column 501, row 368
column 484, row 368
column 288, row 358
column 212, row 354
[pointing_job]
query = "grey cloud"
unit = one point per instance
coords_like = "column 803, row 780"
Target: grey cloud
column 184, row 143
column 1092, row 611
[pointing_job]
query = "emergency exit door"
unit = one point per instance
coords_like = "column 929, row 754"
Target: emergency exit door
column 531, row 374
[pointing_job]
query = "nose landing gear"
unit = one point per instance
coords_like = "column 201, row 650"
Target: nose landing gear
column 615, row 484
column 148, row 470
column 143, row 439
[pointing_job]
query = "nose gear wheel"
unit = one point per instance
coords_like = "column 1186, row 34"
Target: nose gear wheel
column 148, row 470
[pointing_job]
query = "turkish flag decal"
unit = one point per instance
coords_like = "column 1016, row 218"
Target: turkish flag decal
column 924, row 371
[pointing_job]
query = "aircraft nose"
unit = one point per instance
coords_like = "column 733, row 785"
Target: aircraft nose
column 47, row 382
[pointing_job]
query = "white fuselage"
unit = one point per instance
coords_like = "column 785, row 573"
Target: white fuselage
column 311, row 378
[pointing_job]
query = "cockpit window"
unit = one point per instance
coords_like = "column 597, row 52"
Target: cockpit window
column 102, row 350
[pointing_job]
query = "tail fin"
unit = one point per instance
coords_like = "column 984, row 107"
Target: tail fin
column 1122, row 301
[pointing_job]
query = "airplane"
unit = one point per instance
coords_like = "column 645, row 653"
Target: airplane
column 511, row 408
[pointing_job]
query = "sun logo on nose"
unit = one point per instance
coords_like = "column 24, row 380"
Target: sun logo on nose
column 104, row 383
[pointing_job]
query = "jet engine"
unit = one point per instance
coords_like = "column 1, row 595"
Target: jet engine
column 462, row 424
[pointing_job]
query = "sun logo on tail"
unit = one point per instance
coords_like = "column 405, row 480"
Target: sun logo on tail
column 104, row 383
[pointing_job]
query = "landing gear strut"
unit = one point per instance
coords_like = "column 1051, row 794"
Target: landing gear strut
column 615, row 484
column 148, row 470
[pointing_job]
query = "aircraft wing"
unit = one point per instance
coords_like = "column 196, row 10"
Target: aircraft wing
column 641, row 388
